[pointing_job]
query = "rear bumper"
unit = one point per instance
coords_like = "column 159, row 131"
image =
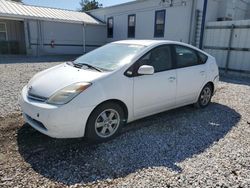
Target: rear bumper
column 64, row 121
column 216, row 83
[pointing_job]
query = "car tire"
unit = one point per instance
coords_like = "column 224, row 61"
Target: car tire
column 204, row 97
column 105, row 122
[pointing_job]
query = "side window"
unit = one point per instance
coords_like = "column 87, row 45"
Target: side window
column 203, row 58
column 186, row 57
column 110, row 27
column 159, row 58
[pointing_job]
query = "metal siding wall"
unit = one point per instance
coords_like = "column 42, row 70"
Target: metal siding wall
column 33, row 37
column 67, row 37
column 33, row 31
column 144, row 30
column 62, row 33
column 216, row 37
column 95, row 35
column 177, row 23
column 15, row 32
column 241, row 38
column 12, row 31
column 219, row 38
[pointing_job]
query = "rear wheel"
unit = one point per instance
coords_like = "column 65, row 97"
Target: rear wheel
column 105, row 122
column 205, row 97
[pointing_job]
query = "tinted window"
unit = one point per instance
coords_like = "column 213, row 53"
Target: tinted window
column 202, row 57
column 159, row 58
column 131, row 26
column 159, row 23
column 186, row 57
column 110, row 27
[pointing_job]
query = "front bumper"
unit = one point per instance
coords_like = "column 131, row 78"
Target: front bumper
column 65, row 121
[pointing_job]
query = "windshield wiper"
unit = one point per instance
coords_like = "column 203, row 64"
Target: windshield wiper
column 80, row 65
column 92, row 67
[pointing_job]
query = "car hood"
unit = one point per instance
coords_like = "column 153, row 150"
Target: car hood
column 46, row 83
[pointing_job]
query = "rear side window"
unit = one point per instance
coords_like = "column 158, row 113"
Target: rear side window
column 160, row 58
column 186, row 57
column 203, row 58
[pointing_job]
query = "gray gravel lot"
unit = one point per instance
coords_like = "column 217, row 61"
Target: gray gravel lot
column 184, row 147
column 15, row 75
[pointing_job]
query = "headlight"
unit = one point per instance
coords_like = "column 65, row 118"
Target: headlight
column 66, row 94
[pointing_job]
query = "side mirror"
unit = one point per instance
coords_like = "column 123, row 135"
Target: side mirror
column 146, row 70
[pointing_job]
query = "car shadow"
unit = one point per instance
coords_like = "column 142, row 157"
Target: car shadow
column 164, row 139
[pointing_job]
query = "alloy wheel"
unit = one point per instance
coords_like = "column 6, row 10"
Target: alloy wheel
column 107, row 123
column 205, row 96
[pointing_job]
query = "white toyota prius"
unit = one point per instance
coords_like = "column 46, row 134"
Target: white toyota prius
column 95, row 95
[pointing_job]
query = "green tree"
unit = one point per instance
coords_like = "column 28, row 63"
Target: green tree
column 89, row 5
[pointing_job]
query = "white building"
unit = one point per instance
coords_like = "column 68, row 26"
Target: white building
column 234, row 9
column 166, row 19
column 26, row 29
column 42, row 31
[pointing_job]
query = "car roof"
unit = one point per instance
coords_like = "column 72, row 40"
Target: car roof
column 142, row 42
column 149, row 43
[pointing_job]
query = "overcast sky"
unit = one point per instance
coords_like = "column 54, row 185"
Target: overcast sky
column 69, row 4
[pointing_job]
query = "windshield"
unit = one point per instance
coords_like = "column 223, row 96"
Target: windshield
column 110, row 56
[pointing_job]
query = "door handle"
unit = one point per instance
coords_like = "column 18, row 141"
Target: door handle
column 202, row 73
column 171, row 79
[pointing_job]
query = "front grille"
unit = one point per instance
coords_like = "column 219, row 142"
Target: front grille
column 36, row 123
column 36, row 97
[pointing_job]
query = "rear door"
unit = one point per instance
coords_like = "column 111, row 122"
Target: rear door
column 191, row 74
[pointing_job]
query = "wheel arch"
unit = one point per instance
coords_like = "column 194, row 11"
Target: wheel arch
column 117, row 101
column 211, row 84
column 206, row 83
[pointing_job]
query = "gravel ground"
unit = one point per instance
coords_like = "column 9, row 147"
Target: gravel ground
column 15, row 75
column 179, row 148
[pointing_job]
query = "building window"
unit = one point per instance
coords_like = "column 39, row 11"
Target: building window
column 3, row 32
column 160, row 23
column 131, row 26
column 110, row 27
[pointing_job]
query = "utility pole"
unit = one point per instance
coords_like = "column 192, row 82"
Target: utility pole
column 204, row 13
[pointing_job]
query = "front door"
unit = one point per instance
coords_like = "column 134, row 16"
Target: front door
column 155, row 93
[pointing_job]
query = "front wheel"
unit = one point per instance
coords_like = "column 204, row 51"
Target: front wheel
column 205, row 97
column 105, row 122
